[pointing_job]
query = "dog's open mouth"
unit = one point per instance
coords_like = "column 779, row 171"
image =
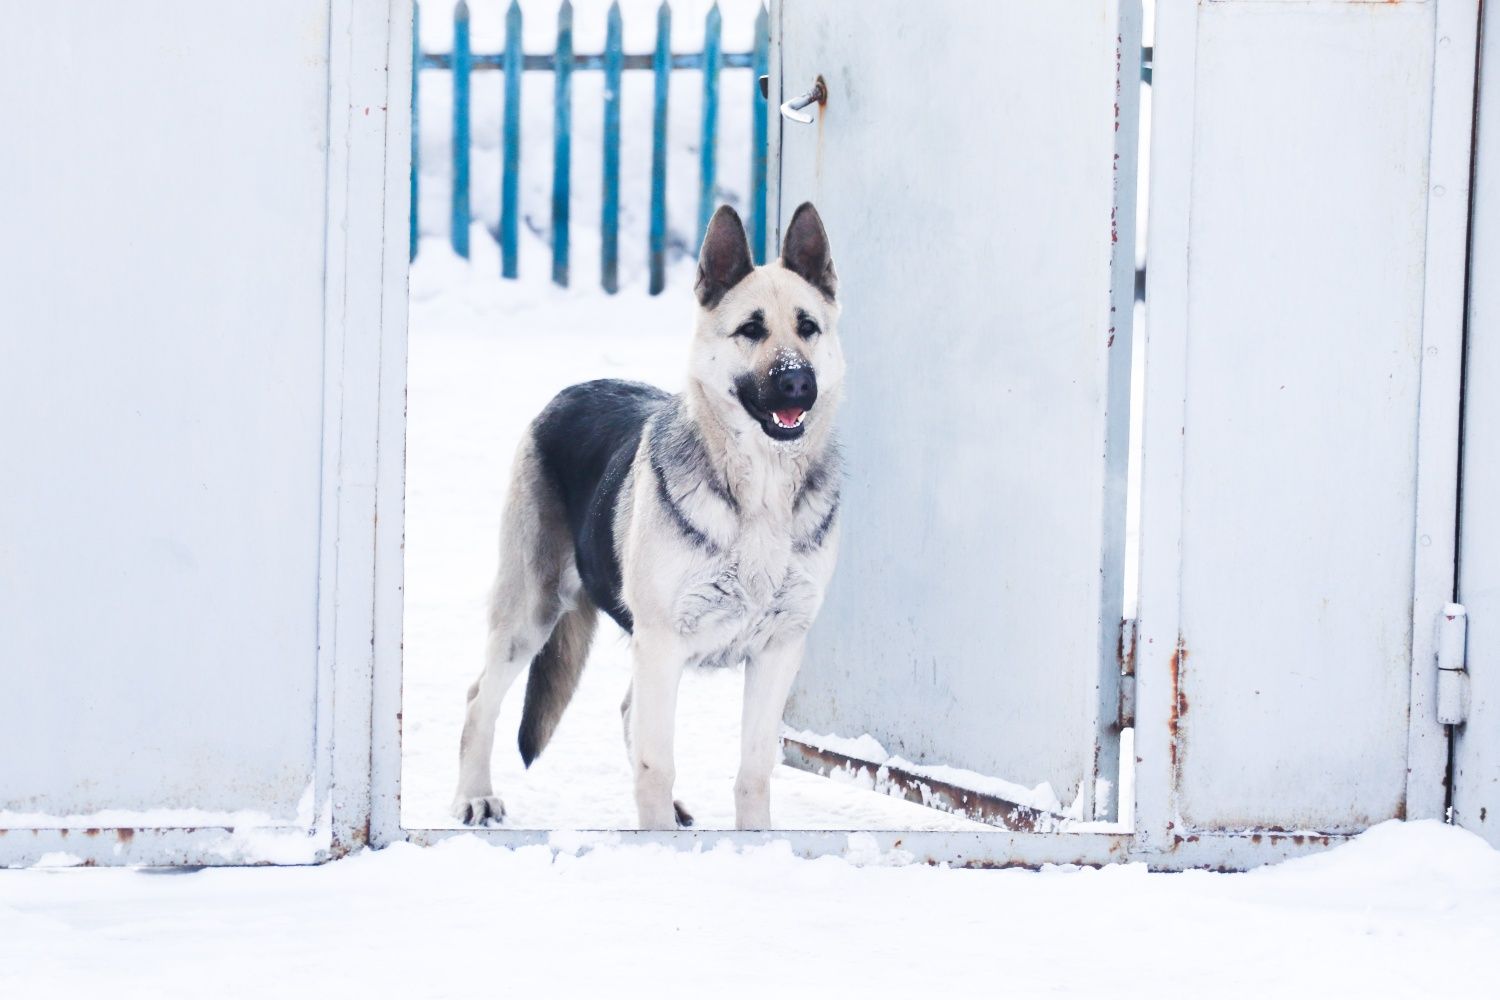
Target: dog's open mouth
column 788, row 418
column 782, row 425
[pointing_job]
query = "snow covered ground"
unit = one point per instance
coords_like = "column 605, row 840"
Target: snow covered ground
column 1408, row 910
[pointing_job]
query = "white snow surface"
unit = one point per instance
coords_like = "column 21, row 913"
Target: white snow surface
column 1407, row 910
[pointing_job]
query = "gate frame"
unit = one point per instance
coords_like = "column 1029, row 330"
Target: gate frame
column 1151, row 842
column 1475, row 769
column 1158, row 826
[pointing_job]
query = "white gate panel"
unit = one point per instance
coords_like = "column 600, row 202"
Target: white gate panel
column 1299, row 352
column 163, row 659
column 979, row 199
column 1476, row 752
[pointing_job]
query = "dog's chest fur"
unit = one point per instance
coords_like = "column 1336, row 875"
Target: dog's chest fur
column 733, row 604
column 742, row 545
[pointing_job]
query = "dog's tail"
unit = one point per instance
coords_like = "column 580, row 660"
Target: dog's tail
column 554, row 678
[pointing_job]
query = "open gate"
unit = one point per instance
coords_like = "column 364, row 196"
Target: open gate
column 983, row 212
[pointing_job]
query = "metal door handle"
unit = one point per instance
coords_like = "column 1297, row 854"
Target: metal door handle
column 792, row 110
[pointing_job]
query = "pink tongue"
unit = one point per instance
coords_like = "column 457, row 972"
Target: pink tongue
column 788, row 417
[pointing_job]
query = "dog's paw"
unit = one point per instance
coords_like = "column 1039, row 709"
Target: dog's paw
column 482, row 810
column 684, row 818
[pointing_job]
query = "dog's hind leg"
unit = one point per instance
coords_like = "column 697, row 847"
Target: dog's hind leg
column 535, row 585
column 475, row 803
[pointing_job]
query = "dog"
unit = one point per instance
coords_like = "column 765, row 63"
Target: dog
column 705, row 524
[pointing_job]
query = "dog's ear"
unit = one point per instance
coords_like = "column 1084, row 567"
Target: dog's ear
column 724, row 260
column 804, row 250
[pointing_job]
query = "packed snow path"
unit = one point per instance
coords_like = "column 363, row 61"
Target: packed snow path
column 1408, row 910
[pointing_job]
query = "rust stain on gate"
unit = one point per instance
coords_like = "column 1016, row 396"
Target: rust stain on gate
column 1179, row 702
column 923, row 790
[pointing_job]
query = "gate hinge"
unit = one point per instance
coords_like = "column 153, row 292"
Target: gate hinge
column 1126, row 656
column 1453, row 679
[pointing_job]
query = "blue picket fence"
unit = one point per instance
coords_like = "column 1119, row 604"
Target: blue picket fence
column 563, row 62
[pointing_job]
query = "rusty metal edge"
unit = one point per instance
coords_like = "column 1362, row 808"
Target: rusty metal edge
column 971, row 849
column 987, row 849
column 996, row 849
column 924, row 791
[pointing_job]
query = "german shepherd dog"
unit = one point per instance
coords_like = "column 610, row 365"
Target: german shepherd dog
column 705, row 524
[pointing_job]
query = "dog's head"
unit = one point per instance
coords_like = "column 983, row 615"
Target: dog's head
column 767, row 354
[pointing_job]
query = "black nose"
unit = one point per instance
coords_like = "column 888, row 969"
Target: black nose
column 796, row 387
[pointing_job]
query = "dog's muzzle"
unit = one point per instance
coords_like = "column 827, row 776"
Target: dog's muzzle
column 780, row 401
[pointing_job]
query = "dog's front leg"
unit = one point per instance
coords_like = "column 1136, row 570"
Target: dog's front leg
column 768, row 681
column 659, row 659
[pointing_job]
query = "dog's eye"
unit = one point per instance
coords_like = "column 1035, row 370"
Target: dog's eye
column 807, row 329
column 751, row 329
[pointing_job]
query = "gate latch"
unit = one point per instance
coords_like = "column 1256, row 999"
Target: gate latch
column 1453, row 679
column 792, row 110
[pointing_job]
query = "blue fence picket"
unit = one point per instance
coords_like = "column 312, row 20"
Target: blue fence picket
column 758, row 136
column 712, row 46
column 458, row 223
column 416, row 145
column 609, row 222
column 510, row 181
column 590, row 61
column 562, row 142
column 563, row 62
column 662, row 66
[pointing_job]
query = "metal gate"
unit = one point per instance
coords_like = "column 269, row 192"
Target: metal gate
column 984, row 212
column 1310, row 168
column 193, row 278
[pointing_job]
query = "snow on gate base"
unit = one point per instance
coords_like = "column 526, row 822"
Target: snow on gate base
column 1370, row 918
